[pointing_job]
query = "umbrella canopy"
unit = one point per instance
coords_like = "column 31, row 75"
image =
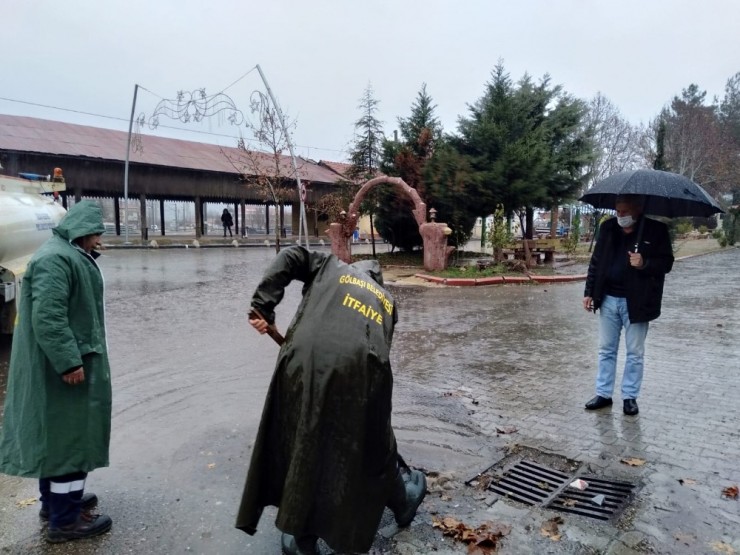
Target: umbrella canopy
column 666, row 194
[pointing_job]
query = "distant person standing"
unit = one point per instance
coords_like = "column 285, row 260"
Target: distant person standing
column 227, row 221
column 58, row 405
column 625, row 283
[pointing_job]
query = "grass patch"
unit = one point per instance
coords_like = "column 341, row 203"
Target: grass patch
column 415, row 260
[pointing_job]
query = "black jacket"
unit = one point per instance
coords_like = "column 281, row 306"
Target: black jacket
column 643, row 287
column 325, row 452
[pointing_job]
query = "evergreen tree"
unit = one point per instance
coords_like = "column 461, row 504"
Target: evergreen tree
column 420, row 133
column 526, row 145
column 506, row 142
column 571, row 151
column 660, row 163
column 451, row 190
column 367, row 150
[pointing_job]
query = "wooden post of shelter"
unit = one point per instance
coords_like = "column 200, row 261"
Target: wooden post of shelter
column 161, row 217
column 143, row 225
column 198, row 218
column 117, row 214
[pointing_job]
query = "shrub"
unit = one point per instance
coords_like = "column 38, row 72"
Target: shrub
column 683, row 227
column 500, row 235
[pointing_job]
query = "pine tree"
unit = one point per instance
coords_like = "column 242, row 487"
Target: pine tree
column 367, row 151
column 420, row 133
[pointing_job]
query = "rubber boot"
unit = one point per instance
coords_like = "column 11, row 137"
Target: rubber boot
column 305, row 545
column 408, row 493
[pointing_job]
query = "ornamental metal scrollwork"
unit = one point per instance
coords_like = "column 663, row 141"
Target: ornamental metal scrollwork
column 196, row 105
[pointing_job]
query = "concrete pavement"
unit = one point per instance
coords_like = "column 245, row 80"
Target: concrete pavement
column 529, row 363
column 482, row 375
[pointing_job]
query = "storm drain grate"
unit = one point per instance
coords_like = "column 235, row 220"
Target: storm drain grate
column 529, row 483
column 590, row 503
column 534, row 484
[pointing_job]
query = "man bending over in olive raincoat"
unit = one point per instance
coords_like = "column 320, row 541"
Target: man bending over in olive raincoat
column 58, row 404
column 325, row 452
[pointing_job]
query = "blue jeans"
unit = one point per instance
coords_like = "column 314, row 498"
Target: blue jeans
column 613, row 317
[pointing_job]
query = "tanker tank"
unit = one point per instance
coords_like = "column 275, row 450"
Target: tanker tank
column 29, row 210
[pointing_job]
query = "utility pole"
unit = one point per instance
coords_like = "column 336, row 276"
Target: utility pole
column 125, row 170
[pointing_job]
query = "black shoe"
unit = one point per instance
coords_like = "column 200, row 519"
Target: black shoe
column 88, row 502
column 409, row 492
column 86, row 526
column 306, row 545
column 630, row 407
column 598, row 402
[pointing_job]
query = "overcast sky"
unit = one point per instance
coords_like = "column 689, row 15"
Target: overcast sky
column 318, row 56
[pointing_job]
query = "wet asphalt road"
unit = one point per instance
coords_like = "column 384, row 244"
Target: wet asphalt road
column 189, row 379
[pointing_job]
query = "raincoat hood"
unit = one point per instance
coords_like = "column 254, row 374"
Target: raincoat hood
column 84, row 218
column 370, row 267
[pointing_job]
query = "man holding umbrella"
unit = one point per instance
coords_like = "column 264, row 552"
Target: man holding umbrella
column 625, row 282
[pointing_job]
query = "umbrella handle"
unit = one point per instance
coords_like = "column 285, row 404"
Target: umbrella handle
column 639, row 233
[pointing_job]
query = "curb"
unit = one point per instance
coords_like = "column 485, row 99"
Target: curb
column 499, row 280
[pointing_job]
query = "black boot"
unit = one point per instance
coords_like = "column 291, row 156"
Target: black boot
column 87, row 503
column 87, row 525
column 67, row 521
column 408, row 493
column 305, row 545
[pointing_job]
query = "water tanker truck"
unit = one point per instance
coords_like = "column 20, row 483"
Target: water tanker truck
column 29, row 210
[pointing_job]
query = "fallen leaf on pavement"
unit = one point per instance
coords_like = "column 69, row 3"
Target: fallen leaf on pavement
column 550, row 528
column 730, row 492
column 26, row 502
column 686, row 482
column 481, row 482
column 439, row 482
column 482, row 540
column 543, row 485
column 722, row 547
column 506, row 429
column 570, row 503
column 633, row 461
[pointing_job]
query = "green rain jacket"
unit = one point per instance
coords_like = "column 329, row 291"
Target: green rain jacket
column 325, row 452
column 51, row 428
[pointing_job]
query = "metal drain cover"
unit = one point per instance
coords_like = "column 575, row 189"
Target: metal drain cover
column 571, row 500
column 530, row 483
column 534, row 484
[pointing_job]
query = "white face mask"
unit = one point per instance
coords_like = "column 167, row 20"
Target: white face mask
column 626, row 221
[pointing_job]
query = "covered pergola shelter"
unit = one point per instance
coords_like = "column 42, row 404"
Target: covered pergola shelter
column 163, row 169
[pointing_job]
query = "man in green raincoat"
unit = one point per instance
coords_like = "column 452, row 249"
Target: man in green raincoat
column 325, row 452
column 58, row 405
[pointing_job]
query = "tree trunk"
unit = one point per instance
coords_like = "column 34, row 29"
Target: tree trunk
column 527, row 233
column 527, row 253
column 278, row 228
column 554, row 221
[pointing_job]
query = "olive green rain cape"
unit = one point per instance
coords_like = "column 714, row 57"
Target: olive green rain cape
column 51, row 428
column 325, row 453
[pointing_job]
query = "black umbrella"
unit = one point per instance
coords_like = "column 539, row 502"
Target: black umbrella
column 666, row 194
